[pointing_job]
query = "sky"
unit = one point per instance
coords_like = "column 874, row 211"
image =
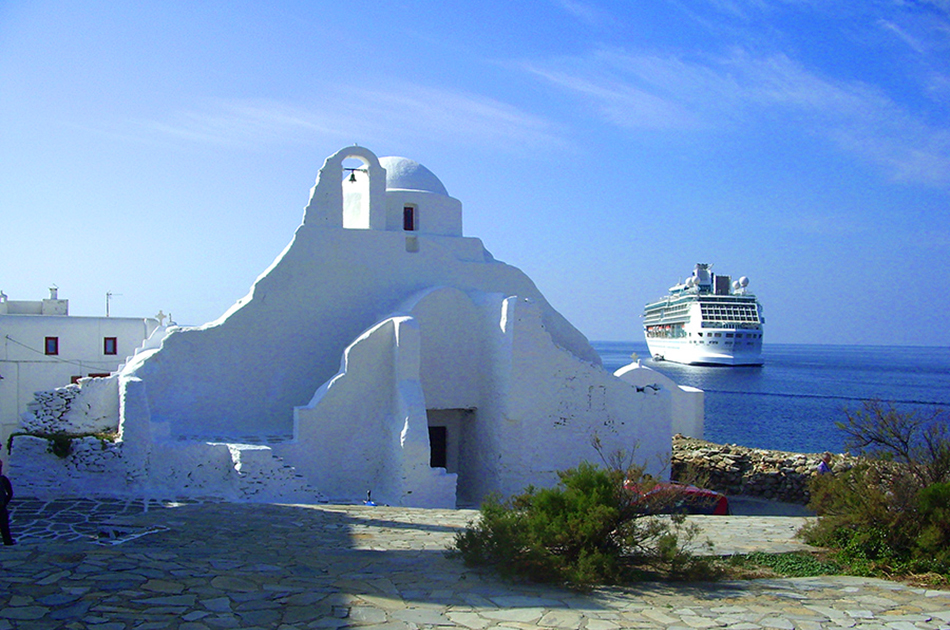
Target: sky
column 163, row 152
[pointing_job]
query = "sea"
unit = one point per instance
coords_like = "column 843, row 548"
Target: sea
column 793, row 401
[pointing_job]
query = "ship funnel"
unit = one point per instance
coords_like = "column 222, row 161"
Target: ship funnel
column 701, row 274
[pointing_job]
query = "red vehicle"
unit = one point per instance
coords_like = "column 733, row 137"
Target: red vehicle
column 670, row 497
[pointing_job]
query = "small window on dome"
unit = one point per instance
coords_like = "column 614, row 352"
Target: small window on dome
column 409, row 218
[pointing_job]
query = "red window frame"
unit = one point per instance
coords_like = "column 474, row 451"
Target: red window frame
column 51, row 346
column 110, row 345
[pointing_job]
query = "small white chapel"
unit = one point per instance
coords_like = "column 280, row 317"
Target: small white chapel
column 382, row 352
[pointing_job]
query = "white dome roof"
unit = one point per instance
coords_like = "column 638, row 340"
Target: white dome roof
column 405, row 174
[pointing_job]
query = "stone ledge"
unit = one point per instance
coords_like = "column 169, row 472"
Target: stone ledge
column 733, row 470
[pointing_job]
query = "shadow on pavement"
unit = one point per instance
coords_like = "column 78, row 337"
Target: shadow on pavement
column 757, row 506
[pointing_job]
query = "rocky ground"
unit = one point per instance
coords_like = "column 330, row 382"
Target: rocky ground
column 221, row 565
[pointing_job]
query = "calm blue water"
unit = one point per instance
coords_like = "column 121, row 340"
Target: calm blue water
column 793, row 401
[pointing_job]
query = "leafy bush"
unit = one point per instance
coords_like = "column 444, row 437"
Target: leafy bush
column 891, row 512
column 793, row 564
column 933, row 541
column 585, row 531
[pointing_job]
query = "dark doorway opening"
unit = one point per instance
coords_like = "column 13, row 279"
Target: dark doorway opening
column 438, row 447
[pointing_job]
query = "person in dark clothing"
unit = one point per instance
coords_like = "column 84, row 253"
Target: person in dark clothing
column 6, row 495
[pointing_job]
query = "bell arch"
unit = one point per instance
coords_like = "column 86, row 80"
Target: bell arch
column 349, row 198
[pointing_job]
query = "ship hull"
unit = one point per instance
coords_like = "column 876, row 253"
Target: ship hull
column 680, row 351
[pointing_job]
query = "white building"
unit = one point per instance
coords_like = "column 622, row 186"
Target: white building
column 382, row 351
column 688, row 403
column 43, row 348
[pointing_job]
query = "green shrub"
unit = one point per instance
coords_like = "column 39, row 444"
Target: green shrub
column 585, row 531
column 793, row 564
column 863, row 513
column 933, row 541
column 890, row 514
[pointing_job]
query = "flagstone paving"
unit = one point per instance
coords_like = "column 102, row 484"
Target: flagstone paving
column 116, row 565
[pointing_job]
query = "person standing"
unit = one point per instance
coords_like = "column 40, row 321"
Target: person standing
column 6, row 495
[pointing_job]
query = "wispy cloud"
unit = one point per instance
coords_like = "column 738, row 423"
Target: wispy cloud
column 925, row 33
column 464, row 117
column 739, row 8
column 858, row 117
column 234, row 122
column 903, row 35
column 393, row 111
column 621, row 102
column 642, row 91
column 585, row 12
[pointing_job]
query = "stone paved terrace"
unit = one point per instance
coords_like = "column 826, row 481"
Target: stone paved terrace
column 114, row 565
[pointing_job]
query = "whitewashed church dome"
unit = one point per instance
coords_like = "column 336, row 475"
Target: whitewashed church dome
column 405, row 174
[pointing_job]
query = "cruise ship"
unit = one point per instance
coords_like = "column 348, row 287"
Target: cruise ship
column 707, row 320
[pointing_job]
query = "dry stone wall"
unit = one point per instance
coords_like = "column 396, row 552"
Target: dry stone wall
column 46, row 412
column 733, row 469
column 90, row 406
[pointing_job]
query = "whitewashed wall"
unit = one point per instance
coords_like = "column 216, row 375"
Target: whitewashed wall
column 424, row 321
column 531, row 408
column 244, row 374
column 550, row 405
column 688, row 408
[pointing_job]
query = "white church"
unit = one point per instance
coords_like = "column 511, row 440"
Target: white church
column 382, row 352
